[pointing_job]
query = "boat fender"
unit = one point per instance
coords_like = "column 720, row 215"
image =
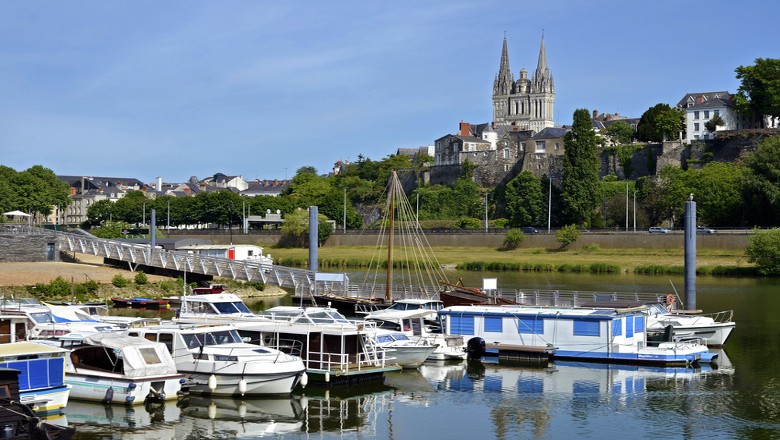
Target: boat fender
column 109, row 395
column 212, row 382
column 304, row 380
column 241, row 386
column 475, row 348
column 327, row 376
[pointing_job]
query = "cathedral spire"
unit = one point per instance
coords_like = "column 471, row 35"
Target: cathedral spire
column 504, row 80
column 541, row 68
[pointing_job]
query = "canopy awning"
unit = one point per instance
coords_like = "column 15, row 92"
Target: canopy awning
column 17, row 213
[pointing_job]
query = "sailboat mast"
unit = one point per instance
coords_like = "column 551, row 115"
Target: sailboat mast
column 389, row 285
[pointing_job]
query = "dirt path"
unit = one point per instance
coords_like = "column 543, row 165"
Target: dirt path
column 27, row 274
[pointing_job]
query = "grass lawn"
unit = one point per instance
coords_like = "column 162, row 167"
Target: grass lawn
column 627, row 260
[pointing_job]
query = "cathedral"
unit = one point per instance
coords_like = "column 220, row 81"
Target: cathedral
column 527, row 104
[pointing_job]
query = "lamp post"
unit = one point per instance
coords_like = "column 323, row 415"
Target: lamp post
column 169, row 214
column 626, row 205
column 345, row 208
column 143, row 221
column 549, row 206
column 486, row 207
column 635, row 210
column 417, row 212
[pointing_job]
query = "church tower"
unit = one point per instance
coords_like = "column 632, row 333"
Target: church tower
column 528, row 103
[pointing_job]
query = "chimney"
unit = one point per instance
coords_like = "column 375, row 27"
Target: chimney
column 465, row 128
column 595, row 114
column 187, row 190
column 159, row 183
column 100, row 190
column 276, row 182
column 72, row 190
column 82, row 185
column 699, row 99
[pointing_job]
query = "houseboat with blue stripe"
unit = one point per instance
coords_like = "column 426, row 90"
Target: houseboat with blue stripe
column 587, row 334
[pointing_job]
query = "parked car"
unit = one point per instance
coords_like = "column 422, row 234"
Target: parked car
column 529, row 230
column 658, row 230
column 705, row 230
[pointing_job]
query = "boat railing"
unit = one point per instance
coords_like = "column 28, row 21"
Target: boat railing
column 720, row 317
column 573, row 298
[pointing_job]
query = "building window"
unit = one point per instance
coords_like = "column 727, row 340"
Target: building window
column 716, row 112
column 696, row 115
column 706, row 114
column 506, row 153
column 485, row 153
column 539, row 156
column 557, row 146
column 540, row 146
column 696, row 126
column 438, row 146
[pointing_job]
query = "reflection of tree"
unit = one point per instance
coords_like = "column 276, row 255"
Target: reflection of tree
column 510, row 418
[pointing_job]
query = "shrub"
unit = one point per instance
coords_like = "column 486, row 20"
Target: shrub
column 764, row 249
column 500, row 223
column 119, row 281
column 591, row 248
column 468, row 223
column 141, row 278
column 513, row 238
column 568, row 235
column 91, row 286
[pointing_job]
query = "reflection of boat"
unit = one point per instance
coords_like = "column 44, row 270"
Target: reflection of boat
column 248, row 418
column 109, row 367
column 154, row 421
column 219, row 363
column 591, row 334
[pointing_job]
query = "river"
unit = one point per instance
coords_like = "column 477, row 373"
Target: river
column 738, row 398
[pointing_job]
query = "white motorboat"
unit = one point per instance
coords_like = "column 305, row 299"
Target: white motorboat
column 42, row 378
column 713, row 329
column 415, row 324
column 333, row 348
column 43, row 324
column 218, row 363
column 402, row 350
column 109, row 367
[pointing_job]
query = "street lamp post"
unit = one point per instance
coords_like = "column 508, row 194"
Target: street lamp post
column 626, row 205
column 169, row 214
column 549, row 206
column 486, row 207
column 345, row 208
column 635, row 210
column 417, row 212
column 143, row 221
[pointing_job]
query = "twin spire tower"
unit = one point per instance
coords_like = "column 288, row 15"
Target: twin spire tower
column 525, row 103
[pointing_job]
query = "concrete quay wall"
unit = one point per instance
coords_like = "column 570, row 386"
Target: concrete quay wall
column 609, row 240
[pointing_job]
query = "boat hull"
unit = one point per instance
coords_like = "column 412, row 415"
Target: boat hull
column 409, row 356
column 714, row 335
column 269, row 384
column 47, row 400
column 125, row 391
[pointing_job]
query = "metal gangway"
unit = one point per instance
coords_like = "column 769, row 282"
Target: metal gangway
column 142, row 254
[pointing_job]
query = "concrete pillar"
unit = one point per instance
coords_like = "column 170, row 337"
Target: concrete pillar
column 313, row 224
column 690, row 254
column 153, row 230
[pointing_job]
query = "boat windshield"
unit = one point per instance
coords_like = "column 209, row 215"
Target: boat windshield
column 211, row 338
column 329, row 317
column 400, row 337
column 657, row 309
column 41, row 318
column 231, row 307
column 384, row 339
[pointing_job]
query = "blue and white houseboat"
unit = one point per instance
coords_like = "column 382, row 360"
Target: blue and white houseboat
column 588, row 334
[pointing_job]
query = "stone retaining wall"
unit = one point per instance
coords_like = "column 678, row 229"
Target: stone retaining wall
column 25, row 247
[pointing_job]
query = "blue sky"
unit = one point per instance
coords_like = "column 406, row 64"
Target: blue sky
column 259, row 89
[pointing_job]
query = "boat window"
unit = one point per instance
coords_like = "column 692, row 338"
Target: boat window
column 150, row 355
column 319, row 317
column 4, row 392
column 400, row 337
column 639, row 324
column 41, row 318
column 337, row 317
column 228, row 308
column 586, row 327
column 617, row 327
column 416, row 327
column 384, row 339
column 262, row 351
column 462, row 325
column 165, row 338
column 493, row 324
column 530, row 325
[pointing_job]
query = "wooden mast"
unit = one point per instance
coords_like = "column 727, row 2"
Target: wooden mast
column 389, row 284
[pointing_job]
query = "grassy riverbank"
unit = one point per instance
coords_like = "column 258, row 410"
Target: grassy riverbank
column 579, row 260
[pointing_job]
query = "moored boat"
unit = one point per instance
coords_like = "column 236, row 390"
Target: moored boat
column 42, row 378
column 219, row 363
column 592, row 334
column 141, row 303
column 110, row 367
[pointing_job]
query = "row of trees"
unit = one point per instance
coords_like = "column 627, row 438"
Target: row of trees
column 35, row 191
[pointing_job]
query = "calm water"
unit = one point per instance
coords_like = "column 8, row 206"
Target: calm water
column 740, row 398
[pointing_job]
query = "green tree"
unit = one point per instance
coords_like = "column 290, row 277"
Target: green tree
column 525, row 201
column 620, row 133
column 659, row 123
column 764, row 249
column 100, row 211
column 568, row 235
column 580, row 184
column 713, row 124
column 759, row 92
column 761, row 183
column 468, row 223
column 306, row 170
column 130, row 208
column 110, row 229
column 296, row 228
column 468, row 169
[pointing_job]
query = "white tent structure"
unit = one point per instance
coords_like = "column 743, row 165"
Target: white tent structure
column 17, row 214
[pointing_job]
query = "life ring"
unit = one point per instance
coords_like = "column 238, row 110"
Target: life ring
column 670, row 299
